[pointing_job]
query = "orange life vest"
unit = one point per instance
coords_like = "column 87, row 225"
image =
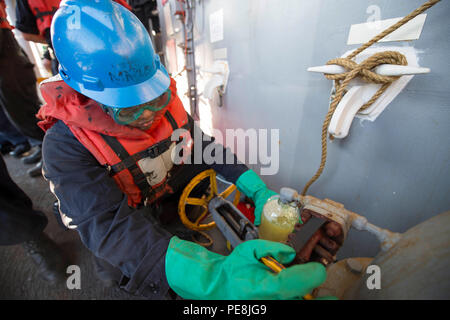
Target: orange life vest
column 4, row 24
column 139, row 161
column 44, row 10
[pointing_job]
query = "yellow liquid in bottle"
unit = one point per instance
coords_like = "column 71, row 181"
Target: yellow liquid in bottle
column 277, row 221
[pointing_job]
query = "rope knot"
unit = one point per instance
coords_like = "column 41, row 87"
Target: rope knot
column 364, row 69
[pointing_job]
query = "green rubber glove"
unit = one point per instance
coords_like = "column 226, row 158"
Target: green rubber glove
column 250, row 184
column 194, row 272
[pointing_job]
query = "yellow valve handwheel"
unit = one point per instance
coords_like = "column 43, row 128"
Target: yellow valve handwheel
column 203, row 201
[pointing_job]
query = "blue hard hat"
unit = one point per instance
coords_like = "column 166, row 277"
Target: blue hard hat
column 106, row 53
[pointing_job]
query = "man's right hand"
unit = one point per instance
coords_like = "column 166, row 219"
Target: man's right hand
column 193, row 272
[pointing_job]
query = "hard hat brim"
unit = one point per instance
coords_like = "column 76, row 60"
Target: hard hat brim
column 129, row 96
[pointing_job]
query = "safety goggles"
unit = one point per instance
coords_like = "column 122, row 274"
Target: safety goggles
column 126, row 116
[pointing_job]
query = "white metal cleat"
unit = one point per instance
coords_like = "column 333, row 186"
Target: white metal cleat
column 383, row 70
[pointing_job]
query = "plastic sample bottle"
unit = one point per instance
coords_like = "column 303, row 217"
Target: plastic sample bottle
column 278, row 219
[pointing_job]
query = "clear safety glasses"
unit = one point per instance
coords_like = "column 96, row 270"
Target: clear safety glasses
column 126, row 116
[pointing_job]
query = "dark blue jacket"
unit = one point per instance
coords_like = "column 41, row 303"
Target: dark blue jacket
column 92, row 203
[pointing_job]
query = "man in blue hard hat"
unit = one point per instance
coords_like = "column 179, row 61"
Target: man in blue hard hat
column 109, row 119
